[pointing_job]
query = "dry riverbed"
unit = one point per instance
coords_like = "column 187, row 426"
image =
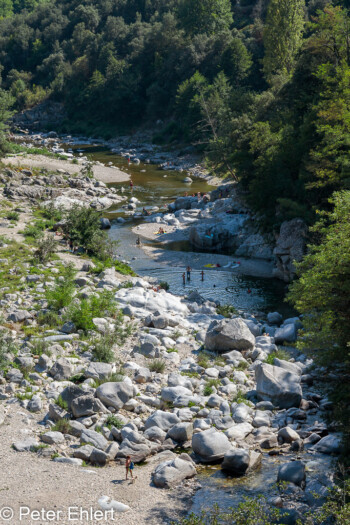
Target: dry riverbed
column 102, row 173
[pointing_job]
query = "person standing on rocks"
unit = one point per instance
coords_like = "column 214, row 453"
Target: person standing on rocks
column 189, row 270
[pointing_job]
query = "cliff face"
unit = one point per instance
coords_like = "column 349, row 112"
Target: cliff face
column 290, row 247
column 46, row 115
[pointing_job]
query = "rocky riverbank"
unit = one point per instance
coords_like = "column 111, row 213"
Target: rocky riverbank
column 186, row 375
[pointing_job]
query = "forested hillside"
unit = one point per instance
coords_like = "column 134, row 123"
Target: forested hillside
column 261, row 86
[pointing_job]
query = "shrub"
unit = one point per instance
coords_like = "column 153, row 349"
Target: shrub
column 227, row 310
column 63, row 425
column 208, row 387
column 61, row 295
column 240, row 397
column 34, row 230
column 103, row 347
column 102, row 305
column 157, row 365
column 49, row 318
column 114, row 421
column 61, row 403
column 7, row 347
column 46, row 247
column 164, row 285
column 83, row 227
column 39, row 347
column 113, row 378
column 12, row 216
column 280, row 354
column 203, row 360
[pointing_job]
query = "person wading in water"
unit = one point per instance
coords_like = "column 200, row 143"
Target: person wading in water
column 189, row 270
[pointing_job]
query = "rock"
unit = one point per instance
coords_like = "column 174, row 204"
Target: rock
column 57, row 413
column 171, row 473
column 137, row 451
column 94, row 438
column 286, row 334
column 99, row 457
column 290, row 247
column 291, row 367
column 277, row 385
column 171, row 393
column 86, row 406
column 292, row 472
column 115, row 395
column 240, row 413
column 76, row 428
column 210, row 445
column 68, row 328
column 35, row 404
column 287, row 435
column 61, row 370
column 20, row 315
column 229, row 334
column 112, row 450
column 14, row 376
column 143, row 375
column 239, row 461
column 106, row 503
column 105, row 224
column 69, row 461
column 83, row 452
column 181, row 432
column 163, row 420
column 26, row 445
column 328, row 445
column 70, row 393
column 53, row 438
column 160, row 321
column 239, row 432
column 155, row 434
column 274, row 318
column 98, row 370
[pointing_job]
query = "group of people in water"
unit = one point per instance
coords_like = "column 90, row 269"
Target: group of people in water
column 187, row 274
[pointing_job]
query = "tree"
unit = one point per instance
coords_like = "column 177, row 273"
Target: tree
column 322, row 293
column 282, row 36
column 205, row 16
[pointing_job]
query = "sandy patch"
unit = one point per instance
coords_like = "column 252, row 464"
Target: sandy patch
column 102, row 173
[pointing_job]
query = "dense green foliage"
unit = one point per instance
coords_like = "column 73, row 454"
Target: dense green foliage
column 322, row 295
column 261, row 86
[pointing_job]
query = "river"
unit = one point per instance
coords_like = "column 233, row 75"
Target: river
column 157, row 187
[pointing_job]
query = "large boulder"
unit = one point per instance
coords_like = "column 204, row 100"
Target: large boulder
column 163, row 420
column 328, row 445
column 229, row 334
column 210, row 445
column 181, row 432
column 137, row 451
column 86, row 406
column 62, row 369
column 286, row 334
column 93, row 438
column 292, row 472
column 98, row 370
column 277, row 385
column 115, row 395
column 70, row 393
column 170, row 473
column 239, row 461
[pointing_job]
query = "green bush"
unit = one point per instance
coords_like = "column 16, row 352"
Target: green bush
column 82, row 227
column 114, row 421
column 46, row 247
column 227, row 310
column 61, row 295
column 61, row 403
column 7, row 346
column 12, row 216
column 113, row 378
column 102, row 305
column 63, row 425
column 279, row 354
column 208, row 387
column 157, row 365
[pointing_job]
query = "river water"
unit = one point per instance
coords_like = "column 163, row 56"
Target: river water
column 157, row 187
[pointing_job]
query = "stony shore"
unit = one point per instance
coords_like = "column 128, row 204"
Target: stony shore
column 185, row 377
column 101, row 173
